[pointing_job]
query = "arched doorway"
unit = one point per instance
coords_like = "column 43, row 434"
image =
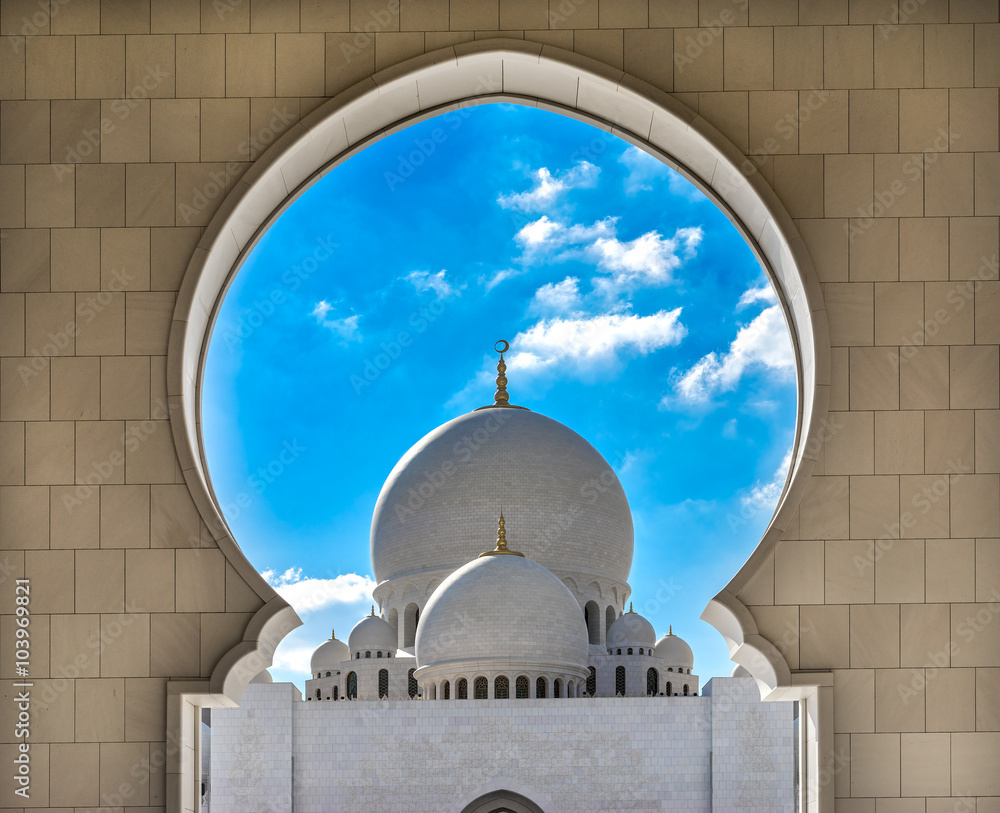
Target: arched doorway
column 502, row 801
column 525, row 73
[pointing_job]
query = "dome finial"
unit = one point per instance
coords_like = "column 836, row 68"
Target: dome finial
column 333, row 634
column 500, row 397
column 630, row 607
column 501, row 541
column 671, row 630
column 373, row 611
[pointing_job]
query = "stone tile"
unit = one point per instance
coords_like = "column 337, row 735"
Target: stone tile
column 26, row 517
column 24, row 132
column 948, row 56
column 875, row 378
column 100, row 710
column 924, row 634
column 798, row 57
column 899, row 442
column 849, row 572
column 649, row 56
column 975, row 505
column 125, row 516
column 950, row 570
column 824, row 509
column 874, row 121
column 200, row 585
column 250, row 64
column 798, row 572
column 925, row 765
column 948, row 315
column 749, row 58
column 899, row 58
column 951, row 700
column 100, row 581
column 923, row 120
column 74, row 517
column 75, row 386
column 847, row 57
column 949, row 440
column 175, row 645
column 923, row 248
column 100, row 67
column 697, row 64
column 851, row 312
column 975, row 377
column 74, row 773
column 49, row 449
column 854, row 700
column 874, row 636
column 875, row 769
column 948, row 184
column 924, row 378
column 899, row 700
column 848, row 186
column 201, row 66
column 973, row 243
column 987, row 434
column 826, row 129
column 75, row 259
column 125, row 645
column 100, row 195
column 50, row 68
column 825, row 640
column 24, row 258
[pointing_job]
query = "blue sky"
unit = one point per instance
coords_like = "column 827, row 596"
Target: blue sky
column 636, row 313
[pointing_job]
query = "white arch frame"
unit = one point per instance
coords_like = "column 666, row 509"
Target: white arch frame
column 467, row 74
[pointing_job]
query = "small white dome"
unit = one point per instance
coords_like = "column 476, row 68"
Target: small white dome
column 329, row 655
column 740, row 672
column 262, row 677
column 631, row 628
column 503, row 612
column 372, row 633
column 674, row 651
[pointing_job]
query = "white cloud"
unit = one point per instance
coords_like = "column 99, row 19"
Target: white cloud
column 574, row 347
column 649, row 258
column 545, row 233
column 293, row 659
column 426, row 281
column 765, row 293
column 346, row 327
column 764, row 343
column 489, row 283
column 557, row 297
column 309, row 593
column 548, row 187
column 558, row 342
column 764, row 496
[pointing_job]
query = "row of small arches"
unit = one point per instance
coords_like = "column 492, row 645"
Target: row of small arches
column 368, row 654
column 351, row 693
column 652, row 683
column 502, row 688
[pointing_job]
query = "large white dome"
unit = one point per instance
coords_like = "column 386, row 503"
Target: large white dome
column 502, row 612
column 675, row 651
column 562, row 498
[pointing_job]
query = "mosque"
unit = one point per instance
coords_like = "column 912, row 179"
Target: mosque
column 583, row 708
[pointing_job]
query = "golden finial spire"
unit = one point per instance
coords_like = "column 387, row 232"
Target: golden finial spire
column 671, row 632
column 501, row 541
column 333, row 634
column 501, row 397
column 630, row 607
column 373, row 611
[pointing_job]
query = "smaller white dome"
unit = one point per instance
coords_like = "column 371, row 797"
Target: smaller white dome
column 329, row 655
column 674, row 651
column 631, row 628
column 372, row 633
column 262, row 677
column 740, row 672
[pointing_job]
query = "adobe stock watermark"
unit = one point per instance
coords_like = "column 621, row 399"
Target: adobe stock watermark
column 912, row 171
column 264, row 477
column 959, row 297
column 121, row 109
column 264, row 307
column 87, row 310
column 923, row 501
column 389, row 352
column 695, row 45
column 31, row 26
column 219, row 180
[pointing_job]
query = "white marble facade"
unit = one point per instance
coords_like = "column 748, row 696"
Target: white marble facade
column 723, row 751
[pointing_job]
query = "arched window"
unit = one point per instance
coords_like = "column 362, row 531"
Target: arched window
column 521, row 688
column 652, row 681
column 540, row 687
column 641, row 651
column 619, row 650
column 630, row 650
column 592, row 682
column 352, row 685
column 328, row 674
column 383, row 683
column 411, row 683
column 670, row 669
column 670, row 689
column 357, row 656
column 411, row 614
column 592, row 618
column 446, row 691
column 463, row 689
column 318, row 695
column 609, row 618
column 620, row 680
column 336, row 693
column 501, row 687
column 482, row 687
column 368, row 654
column 388, row 654
column 378, row 654
column 557, row 688
column 685, row 690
